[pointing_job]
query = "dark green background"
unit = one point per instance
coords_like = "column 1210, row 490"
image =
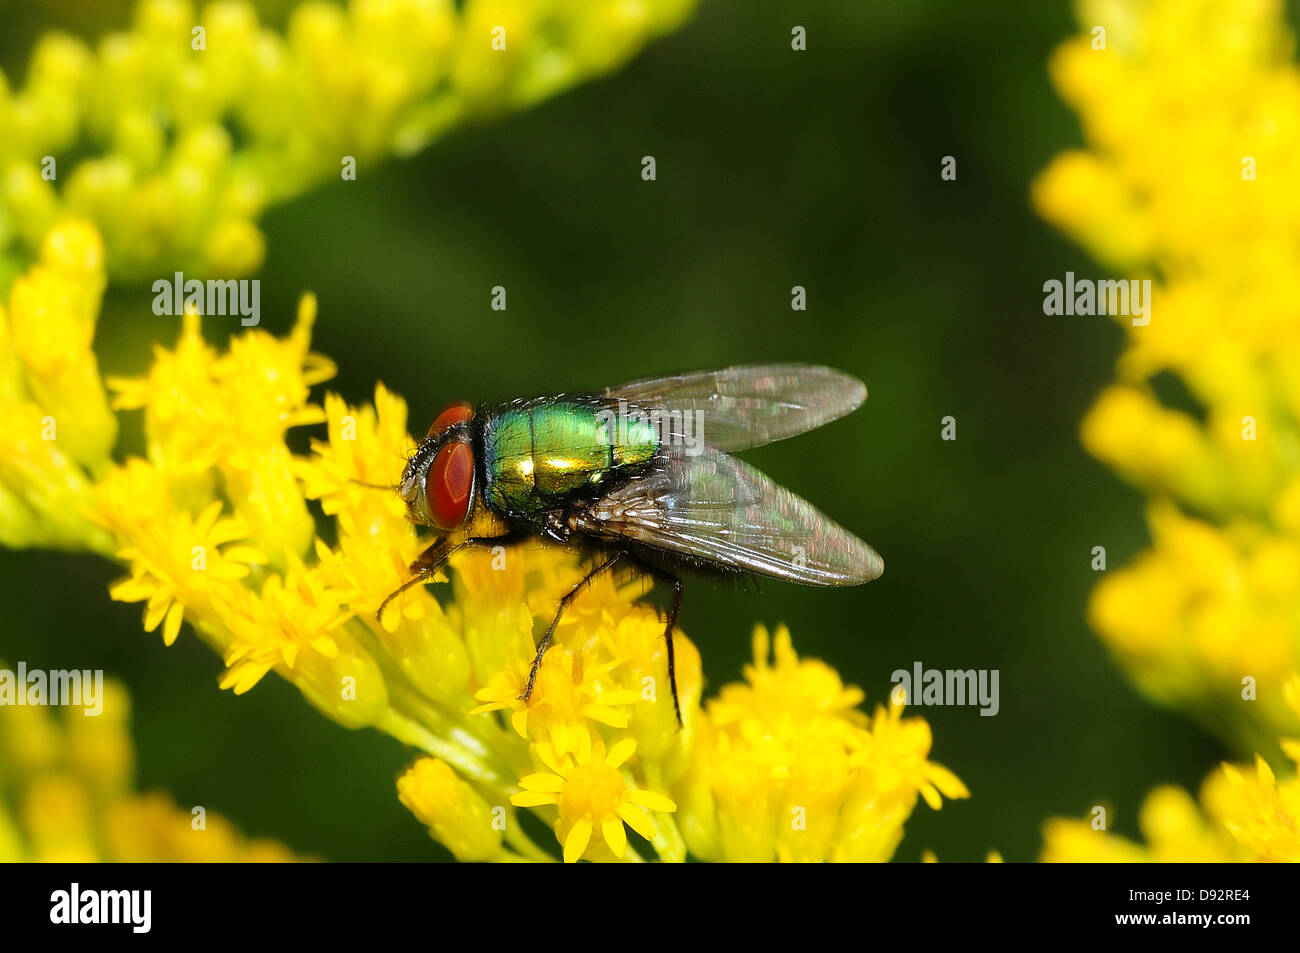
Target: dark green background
column 774, row 169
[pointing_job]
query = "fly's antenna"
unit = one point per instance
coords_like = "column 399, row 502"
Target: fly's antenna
column 374, row 486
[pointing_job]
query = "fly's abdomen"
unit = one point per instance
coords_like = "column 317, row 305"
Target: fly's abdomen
column 539, row 454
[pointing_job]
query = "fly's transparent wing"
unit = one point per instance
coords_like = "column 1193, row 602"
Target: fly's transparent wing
column 716, row 509
column 741, row 407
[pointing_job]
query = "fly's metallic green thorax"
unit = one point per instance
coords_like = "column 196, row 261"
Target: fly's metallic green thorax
column 542, row 452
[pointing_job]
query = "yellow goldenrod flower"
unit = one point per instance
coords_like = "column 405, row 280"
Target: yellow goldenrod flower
column 455, row 813
column 569, row 692
column 787, row 767
column 1260, row 812
column 247, row 400
column 167, row 576
column 592, row 796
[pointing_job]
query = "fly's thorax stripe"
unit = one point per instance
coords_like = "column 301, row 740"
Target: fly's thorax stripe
column 508, row 448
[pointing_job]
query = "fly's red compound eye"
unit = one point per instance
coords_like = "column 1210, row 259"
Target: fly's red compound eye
column 449, row 485
column 457, row 413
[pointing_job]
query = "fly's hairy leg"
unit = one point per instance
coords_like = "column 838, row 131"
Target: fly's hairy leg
column 565, row 601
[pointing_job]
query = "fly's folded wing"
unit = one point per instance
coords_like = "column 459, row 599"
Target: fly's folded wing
column 736, row 408
column 715, row 508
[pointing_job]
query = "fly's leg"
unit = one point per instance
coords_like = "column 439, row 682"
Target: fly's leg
column 423, row 567
column 673, row 612
column 565, row 600
column 429, row 560
column 433, row 559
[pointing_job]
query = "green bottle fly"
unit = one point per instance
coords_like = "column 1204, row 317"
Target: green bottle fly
column 642, row 475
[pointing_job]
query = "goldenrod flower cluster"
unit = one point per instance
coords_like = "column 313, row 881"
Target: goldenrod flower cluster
column 66, row 795
column 281, row 562
column 1193, row 175
column 174, row 136
column 1191, row 110
column 56, row 429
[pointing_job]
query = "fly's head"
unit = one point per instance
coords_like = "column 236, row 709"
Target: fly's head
column 438, row 482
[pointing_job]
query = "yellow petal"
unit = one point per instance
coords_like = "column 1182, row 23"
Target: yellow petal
column 326, row 646
column 130, row 589
column 611, row 828
column 652, row 801
column 1264, row 772
column 156, row 611
column 208, row 518
column 621, row 752
column 172, row 627
column 243, row 677
column 638, row 820
column 946, row 781
column 533, row 799
column 931, row 795
column 621, row 697
column 228, row 572
column 244, row 554
column 542, row 781
column 547, row 755
column 575, row 845
column 604, row 715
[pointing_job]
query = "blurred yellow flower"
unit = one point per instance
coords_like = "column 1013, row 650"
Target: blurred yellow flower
column 1247, row 814
column 1192, row 175
column 56, row 429
column 66, row 795
column 175, row 135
